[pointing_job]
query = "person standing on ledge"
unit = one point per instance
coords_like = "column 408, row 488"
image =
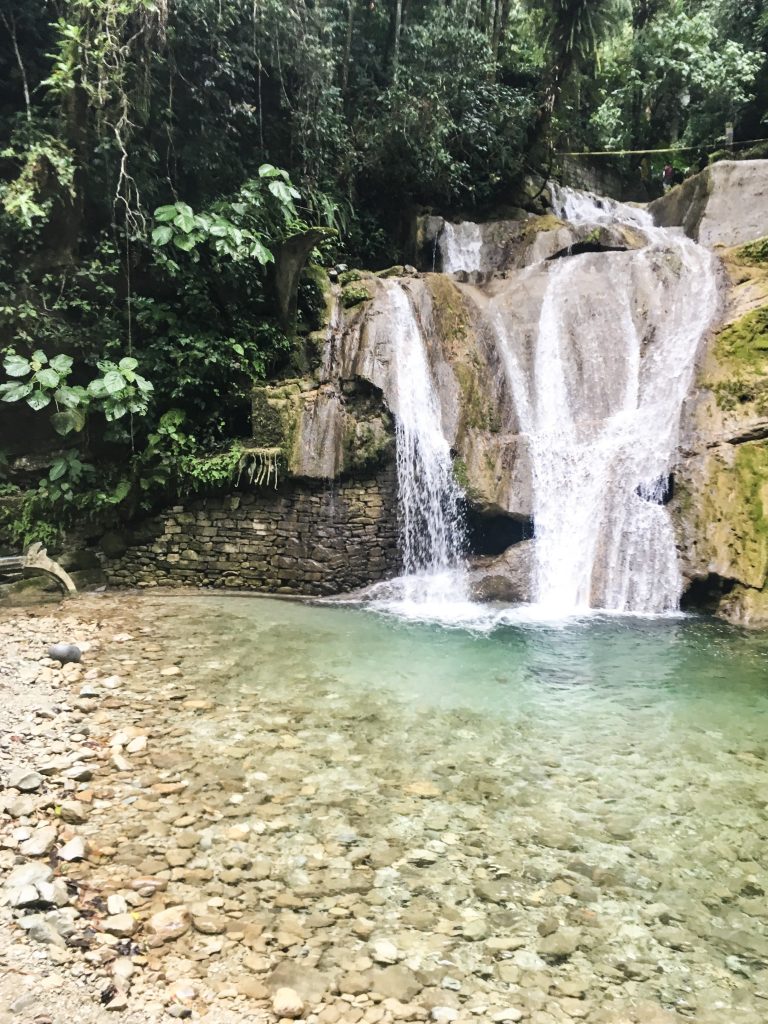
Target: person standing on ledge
column 668, row 177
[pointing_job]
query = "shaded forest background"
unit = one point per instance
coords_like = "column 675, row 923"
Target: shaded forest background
column 155, row 155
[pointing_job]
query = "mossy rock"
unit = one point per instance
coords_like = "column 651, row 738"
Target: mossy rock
column 368, row 444
column 731, row 509
column 754, row 254
column 746, row 340
column 397, row 271
column 349, row 277
column 354, row 295
column 274, row 414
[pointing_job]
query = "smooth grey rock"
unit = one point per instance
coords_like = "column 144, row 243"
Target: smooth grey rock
column 65, row 653
column 40, row 842
column 726, row 204
column 41, row 930
column 25, row 779
column 508, row 577
column 560, row 944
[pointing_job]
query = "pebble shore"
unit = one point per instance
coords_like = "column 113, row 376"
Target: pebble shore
column 173, row 849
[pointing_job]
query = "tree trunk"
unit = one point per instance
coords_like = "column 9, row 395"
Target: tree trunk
column 348, row 46
column 396, row 38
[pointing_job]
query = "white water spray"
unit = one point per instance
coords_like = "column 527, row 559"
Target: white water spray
column 614, row 360
column 429, row 496
column 461, row 247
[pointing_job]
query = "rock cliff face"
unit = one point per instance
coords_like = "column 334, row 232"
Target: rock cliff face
column 721, row 502
column 478, row 303
column 727, row 204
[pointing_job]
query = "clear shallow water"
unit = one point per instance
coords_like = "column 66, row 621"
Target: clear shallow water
column 609, row 775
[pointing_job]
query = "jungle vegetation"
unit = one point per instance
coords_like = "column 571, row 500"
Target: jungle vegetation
column 156, row 154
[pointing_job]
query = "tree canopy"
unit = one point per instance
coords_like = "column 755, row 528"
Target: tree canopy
column 156, row 154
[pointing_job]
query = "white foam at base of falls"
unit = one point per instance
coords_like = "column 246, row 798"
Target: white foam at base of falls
column 429, row 497
column 461, row 247
column 601, row 405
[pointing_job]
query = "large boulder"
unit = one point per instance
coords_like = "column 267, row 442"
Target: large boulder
column 726, row 204
column 507, row 577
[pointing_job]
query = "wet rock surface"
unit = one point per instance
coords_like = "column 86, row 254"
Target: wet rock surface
column 242, row 847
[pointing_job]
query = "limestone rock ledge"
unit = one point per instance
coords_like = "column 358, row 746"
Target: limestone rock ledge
column 721, row 482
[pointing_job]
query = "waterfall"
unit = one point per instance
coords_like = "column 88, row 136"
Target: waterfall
column 601, row 405
column 461, row 247
column 429, row 496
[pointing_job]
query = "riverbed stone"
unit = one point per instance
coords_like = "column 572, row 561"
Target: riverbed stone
column 169, row 924
column 396, row 982
column 287, row 1003
column 40, row 842
column 25, row 780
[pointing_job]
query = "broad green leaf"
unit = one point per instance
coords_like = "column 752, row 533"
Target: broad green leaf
column 48, row 377
column 128, row 363
column 121, row 491
column 68, row 421
column 143, row 384
column 38, row 400
column 162, row 233
column 16, row 366
column 238, row 348
column 269, row 171
column 113, row 382
column 13, row 392
column 96, row 388
column 40, row 358
column 115, row 411
column 185, row 222
column 69, row 397
column 165, row 213
column 282, row 192
column 184, row 242
column 62, row 364
column 262, row 253
column 58, row 469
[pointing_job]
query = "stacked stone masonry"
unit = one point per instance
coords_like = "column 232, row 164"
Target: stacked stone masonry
column 310, row 538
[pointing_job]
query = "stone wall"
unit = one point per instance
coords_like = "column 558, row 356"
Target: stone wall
column 307, row 537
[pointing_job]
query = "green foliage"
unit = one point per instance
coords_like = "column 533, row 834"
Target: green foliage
column 352, row 296
column 730, row 394
column 40, row 381
column 746, row 340
column 155, row 156
column 754, row 253
column 238, row 229
column 45, row 169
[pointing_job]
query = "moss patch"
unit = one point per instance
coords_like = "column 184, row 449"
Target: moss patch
column 746, row 341
column 354, row 295
column 732, row 510
column 755, row 254
column 349, row 277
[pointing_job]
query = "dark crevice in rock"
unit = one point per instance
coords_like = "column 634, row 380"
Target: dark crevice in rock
column 751, row 432
column 494, row 534
column 662, row 491
column 704, row 594
column 579, row 248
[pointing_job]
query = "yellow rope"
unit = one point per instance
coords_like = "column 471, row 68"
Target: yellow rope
column 641, row 152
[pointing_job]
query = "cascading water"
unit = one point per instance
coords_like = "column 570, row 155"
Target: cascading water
column 601, row 405
column 461, row 247
column 429, row 496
